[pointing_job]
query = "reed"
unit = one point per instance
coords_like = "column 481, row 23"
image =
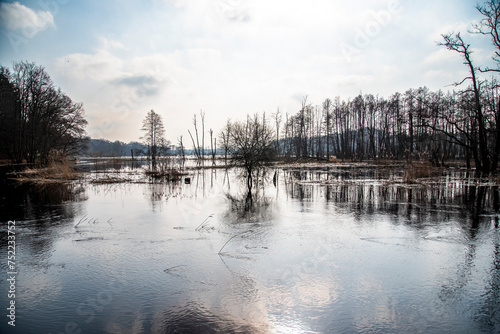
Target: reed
column 56, row 171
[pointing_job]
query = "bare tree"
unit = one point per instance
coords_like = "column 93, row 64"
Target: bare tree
column 225, row 135
column 327, row 105
column 196, row 145
column 202, row 114
column 457, row 44
column 277, row 120
column 154, row 135
column 489, row 25
column 199, row 150
column 213, row 143
column 251, row 145
column 181, row 145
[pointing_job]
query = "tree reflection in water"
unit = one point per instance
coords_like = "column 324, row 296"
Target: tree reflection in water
column 251, row 203
column 41, row 207
column 473, row 204
column 263, row 251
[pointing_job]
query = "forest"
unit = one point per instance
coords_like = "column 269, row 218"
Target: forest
column 37, row 120
column 418, row 124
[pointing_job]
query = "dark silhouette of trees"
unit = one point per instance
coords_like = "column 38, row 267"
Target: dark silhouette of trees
column 419, row 124
column 9, row 113
column 106, row 148
column 154, row 135
column 488, row 26
column 36, row 118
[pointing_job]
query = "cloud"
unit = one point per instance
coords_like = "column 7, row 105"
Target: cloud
column 19, row 18
column 117, row 91
column 440, row 57
column 109, row 44
column 99, row 66
column 144, row 84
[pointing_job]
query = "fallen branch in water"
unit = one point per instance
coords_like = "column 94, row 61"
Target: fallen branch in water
column 234, row 236
column 202, row 224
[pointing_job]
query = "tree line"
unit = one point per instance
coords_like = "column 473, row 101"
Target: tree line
column 37, row 120
column 462, row 124
column 107, row 148
column 418, row 124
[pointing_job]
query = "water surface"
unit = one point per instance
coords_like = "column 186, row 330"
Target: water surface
column 328, row 250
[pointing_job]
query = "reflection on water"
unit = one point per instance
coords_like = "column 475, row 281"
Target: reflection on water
column 452, row 196
column 333, row 250
column 44, row 202
column 40, row 208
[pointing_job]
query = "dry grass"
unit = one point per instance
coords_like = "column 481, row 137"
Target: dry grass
column 61, row 171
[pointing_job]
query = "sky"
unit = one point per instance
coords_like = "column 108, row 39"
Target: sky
column 230, row 58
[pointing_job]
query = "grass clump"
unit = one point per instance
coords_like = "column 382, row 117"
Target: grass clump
column 58, row 169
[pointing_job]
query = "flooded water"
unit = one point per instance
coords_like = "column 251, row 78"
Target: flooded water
column 320, row 250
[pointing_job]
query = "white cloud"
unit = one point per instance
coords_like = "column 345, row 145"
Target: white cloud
column 19, row 18
column 441, row 57
column 99, row 66
column 118, row 91
column 109, row 44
